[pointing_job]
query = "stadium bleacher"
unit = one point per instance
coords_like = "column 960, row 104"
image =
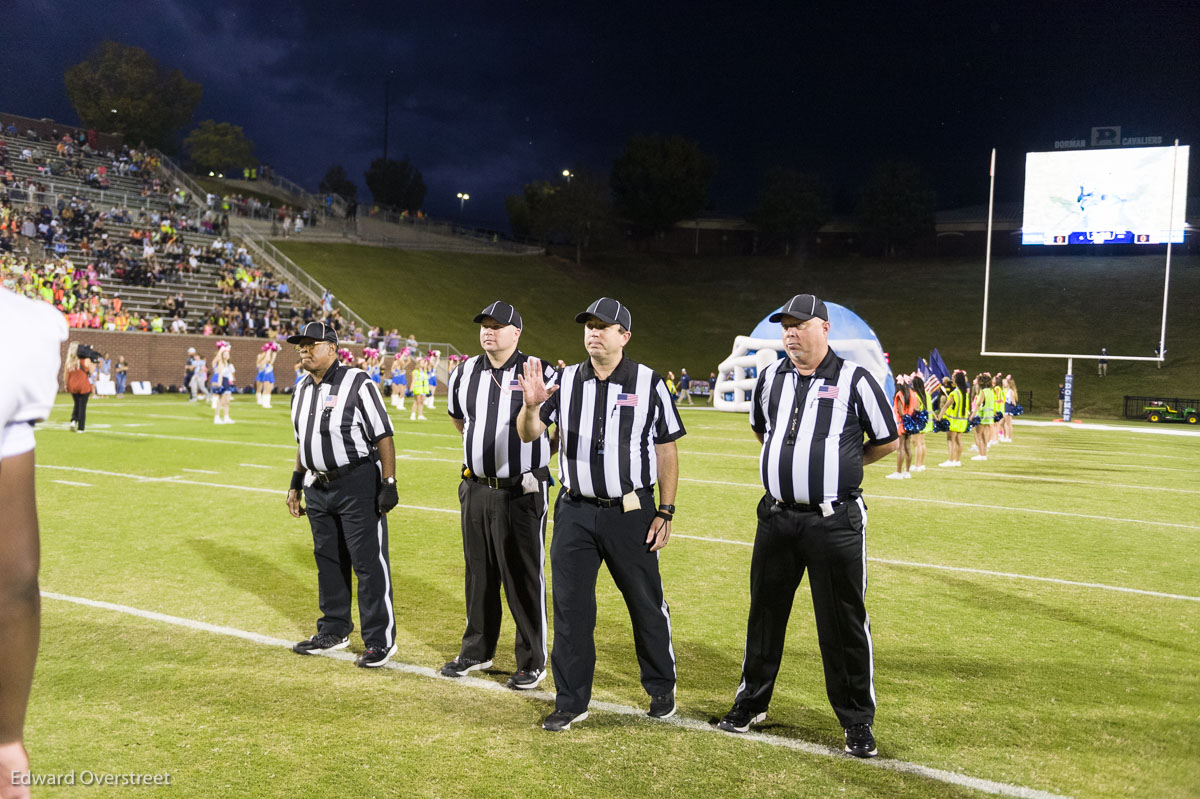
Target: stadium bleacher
column 97, row 233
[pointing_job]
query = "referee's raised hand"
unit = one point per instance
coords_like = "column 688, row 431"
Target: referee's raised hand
column 533, row 385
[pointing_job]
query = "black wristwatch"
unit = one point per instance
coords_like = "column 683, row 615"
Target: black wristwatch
column 667, row 508
column 389, row 481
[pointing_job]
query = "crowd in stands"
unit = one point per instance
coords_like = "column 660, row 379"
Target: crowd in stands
column 65, row 158
column 65, row 248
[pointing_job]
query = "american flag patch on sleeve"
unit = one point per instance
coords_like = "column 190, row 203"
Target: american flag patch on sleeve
column 331, row 402
column 827, row 392
column 514, row 385
column 627, row 400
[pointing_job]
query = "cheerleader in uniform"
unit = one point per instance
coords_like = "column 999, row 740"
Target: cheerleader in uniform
column 420, row 389
column 1011, row 408
column 300, row 375
column 431, row 370
column 225, row 369
column 924, row 420
column 955, row 411
column 399, row 380
column 997, row 410
column 260, row 362
column 904, row 406
column 268, row 373
column 214, row 385
column 982, row 406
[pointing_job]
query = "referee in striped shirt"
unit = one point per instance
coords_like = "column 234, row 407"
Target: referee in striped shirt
column 345, row 465
column 503, row 494
column 811, row 411
column 617, row 427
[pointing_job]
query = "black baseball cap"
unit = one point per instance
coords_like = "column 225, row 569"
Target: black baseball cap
column 317, row 331
column 502, row 312
column 608, row 310
column 803, row 307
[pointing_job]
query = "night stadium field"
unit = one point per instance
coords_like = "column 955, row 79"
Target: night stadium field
column 1034, row 617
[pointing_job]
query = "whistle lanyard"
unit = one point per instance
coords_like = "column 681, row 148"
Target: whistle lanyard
column 797, row 406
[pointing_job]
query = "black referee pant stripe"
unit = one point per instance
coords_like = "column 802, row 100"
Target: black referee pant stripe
column 584, row 536
column 504, row 534
column 349, row 532
column 833, row 551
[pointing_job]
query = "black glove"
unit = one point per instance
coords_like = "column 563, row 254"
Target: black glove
column 388, row 497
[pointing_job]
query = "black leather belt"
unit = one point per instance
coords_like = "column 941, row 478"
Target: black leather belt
column 324, row 478
column 610, row 503
column 498, row 483
column 800, row 507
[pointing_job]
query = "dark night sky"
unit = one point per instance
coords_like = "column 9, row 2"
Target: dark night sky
column 489, row 95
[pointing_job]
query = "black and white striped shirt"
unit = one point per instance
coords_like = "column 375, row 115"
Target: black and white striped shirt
column 812, row 449
column 339, row 420
column 487, row 401
column 607, row 429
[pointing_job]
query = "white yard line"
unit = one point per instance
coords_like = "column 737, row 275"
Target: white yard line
column 202, row 471
column 454, row 511
column 988, row 572
column 69, row 483
column 695, row 725
column 928, row 501
column 256, row 466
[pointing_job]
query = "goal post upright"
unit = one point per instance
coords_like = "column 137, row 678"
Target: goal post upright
column 987, row 256
column 1162, row 335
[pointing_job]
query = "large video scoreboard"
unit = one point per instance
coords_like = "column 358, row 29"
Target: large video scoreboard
column 1105, row 196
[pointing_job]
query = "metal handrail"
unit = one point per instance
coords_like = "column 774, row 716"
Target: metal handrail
column 294, row 272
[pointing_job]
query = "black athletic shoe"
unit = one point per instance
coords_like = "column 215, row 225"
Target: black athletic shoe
column 860, row 742
column 374, row 657
column 461, row 666
column 740, row 718
column 321, row 642
column 526, row 679
column 662, row 707
column 561, row 720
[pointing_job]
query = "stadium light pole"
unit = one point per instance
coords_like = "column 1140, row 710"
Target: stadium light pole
column 568, row 175
column 462, row 199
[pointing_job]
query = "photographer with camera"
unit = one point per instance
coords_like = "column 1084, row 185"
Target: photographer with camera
column 77, row 371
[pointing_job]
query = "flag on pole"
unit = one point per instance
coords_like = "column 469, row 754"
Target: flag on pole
column 937, row 364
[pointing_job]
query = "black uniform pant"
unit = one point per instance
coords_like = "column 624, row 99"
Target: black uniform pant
column 79, row 409
column 833, row 550
column 504, row 544
column 584, row 536
column 349, row 532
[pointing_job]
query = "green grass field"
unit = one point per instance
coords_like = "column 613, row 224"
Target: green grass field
column 981, row 671
column 686, row 311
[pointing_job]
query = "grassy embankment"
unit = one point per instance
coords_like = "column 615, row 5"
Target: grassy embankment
column 687, row 311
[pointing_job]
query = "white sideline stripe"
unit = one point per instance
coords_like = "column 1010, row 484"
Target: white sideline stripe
column 200, row 471
column 176, row 480
column 69, row 483
column 901, row 766
column 1157, row 431
column 972, row 505
column 988, row 572
column 256, row 466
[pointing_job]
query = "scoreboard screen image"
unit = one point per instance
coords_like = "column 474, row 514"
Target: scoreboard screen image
column 1108, row 196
